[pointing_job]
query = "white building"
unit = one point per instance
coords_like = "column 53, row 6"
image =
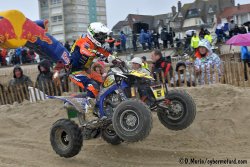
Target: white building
column 69, row 19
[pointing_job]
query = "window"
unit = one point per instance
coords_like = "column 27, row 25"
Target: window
column 57, row 28
column 100, row 9
column 43, row 4
column 56, row 18
column 56, row 11
column 53, row 2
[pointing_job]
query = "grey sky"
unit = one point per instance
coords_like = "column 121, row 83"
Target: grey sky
column 116, row 9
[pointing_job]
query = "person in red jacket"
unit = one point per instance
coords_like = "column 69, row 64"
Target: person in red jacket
column 160, row 64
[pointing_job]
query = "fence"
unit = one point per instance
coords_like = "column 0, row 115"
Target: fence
column 232, row 72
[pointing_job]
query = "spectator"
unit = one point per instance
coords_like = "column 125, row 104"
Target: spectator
column 206, row 59
column 245, row 57
column 32, row 56
column 67, row 46
column 156, row 37
column 243, row 30
column 24, row 56
column 137, row 65
column 171, row 36
column 149, row 39
column 164, row 37
column 188, row 42
column 202, row 33
column 45, row 75
column 98, row 72
column 134, row 41
column 118, row 45
column 219, row 31
column 161, row 64
column 17, row 57
column 208, row 36
column 62, row 75
column 19, row 77
column 143, row 39
column 4, row 55
column 180, row 68
column 231, row 28
column 123, row 41
column 111, row 42
column 145, row 63
column 236, row 30
column 195, row 41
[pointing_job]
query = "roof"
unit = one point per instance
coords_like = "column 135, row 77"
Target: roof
column 236, row 10
column 119, row 25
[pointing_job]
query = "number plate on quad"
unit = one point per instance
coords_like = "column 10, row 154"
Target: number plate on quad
column 158, row 91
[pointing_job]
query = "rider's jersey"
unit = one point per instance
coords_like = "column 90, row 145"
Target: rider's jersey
column 83, row 53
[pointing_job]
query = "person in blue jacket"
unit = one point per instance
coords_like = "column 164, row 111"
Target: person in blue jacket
column 143, row 39
column 245, row 57
column 123, row 41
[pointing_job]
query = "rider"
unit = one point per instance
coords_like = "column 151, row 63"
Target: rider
column 83, row 53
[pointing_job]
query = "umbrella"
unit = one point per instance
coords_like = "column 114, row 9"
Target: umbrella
column 240, row 40
column 190, row 32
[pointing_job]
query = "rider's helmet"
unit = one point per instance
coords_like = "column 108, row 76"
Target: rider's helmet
column 97, row 33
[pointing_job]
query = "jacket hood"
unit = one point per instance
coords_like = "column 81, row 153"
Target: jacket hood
column 44, row 63
column 17, row 67
column 205, row 43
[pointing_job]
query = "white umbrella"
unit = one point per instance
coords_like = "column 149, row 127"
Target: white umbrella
column 190, row 32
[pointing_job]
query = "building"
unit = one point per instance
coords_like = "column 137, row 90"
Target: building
column 69, row 19
column 240, row 14
column 200, row 13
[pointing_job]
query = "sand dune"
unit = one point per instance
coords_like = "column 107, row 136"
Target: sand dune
column 220, row 130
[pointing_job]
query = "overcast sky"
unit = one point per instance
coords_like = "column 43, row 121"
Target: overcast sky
column 116, row 9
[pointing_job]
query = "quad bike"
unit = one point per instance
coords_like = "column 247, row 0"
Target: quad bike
column 111, row 115
column 175, row 109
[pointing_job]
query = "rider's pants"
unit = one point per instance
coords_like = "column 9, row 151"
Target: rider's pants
column 82, row 80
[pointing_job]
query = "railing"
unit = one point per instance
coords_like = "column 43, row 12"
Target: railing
column 231, row 73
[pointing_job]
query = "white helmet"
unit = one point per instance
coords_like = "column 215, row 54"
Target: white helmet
column 137, row 60
column 97, row 33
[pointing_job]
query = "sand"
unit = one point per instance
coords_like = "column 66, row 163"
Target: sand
column 220, row 130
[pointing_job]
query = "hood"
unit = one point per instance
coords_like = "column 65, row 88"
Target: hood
column 17, row 67
column 181, row 63
column 205, row 43
column 44, row 63
column 142, row 31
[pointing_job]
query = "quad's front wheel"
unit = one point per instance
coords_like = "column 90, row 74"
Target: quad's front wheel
column 181, row 111
column 66, row 138
column 132, row 120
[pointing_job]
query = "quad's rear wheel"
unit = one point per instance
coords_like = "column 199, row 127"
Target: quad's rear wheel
column 66, row 138
column 181, row 110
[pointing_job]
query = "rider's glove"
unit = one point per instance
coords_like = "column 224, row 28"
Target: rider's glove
column 112, row 59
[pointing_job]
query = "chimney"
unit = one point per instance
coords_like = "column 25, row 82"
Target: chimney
column 238, row 6
column 179, row 6
column 173, row 10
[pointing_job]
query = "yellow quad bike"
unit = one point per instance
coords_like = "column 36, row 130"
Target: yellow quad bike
column 176, row 109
